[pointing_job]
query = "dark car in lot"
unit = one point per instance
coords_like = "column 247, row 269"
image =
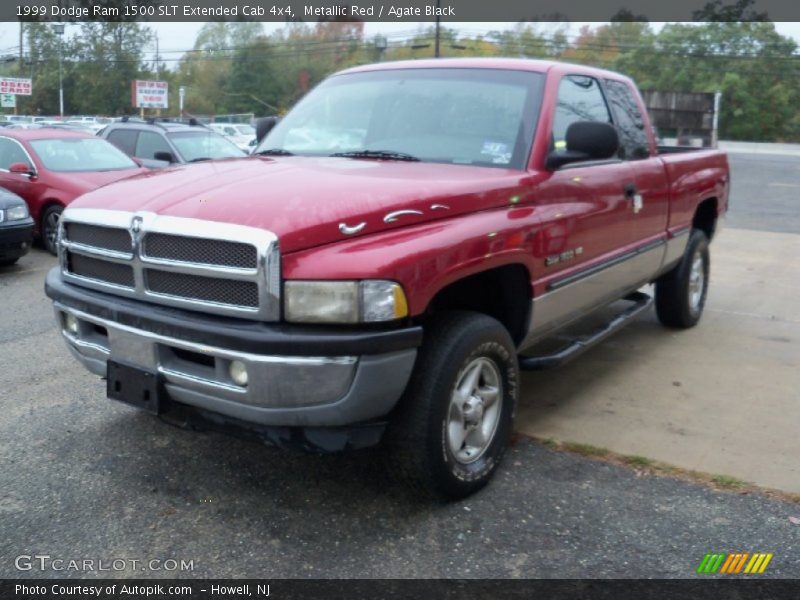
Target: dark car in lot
column 49, row 168
column 170, row 142
column 16, row 228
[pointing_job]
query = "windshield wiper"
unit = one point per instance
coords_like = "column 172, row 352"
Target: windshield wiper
column 379, row 154
column 199, row 158
column 274, row 152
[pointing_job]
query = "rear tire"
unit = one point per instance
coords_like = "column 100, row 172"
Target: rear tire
column 681, row 293
column 7, row 262
column 49, row 228
column 452, row 427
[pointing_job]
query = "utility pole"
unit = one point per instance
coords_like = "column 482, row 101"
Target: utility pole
column 21, row 40
column 158, row 73
column 438, row 19
column 58, row 28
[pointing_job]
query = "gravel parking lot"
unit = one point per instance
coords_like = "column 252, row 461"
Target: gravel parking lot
column 87, row 478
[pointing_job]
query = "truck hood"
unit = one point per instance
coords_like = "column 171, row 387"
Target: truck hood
column 305, row 199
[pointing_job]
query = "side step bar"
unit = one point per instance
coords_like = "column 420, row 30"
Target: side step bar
column 641, row 302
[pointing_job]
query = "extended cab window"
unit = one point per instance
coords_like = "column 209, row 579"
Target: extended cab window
column 466, row 116
column 630, row 124
column 579, row 99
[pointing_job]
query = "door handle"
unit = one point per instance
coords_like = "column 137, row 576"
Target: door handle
column 630, row 191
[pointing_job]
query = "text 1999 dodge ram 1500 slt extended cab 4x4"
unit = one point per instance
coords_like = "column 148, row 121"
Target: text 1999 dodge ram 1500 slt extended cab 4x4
column 380, row 266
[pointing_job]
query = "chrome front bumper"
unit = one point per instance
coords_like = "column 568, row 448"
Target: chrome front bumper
column 281, row 390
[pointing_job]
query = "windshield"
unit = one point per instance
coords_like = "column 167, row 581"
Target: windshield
column 203, row 145
column 81, row 154
column 461, row 116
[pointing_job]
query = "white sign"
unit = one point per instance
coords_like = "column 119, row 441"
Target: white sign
column 13, row 85
column 8, row 101
column 149, row 94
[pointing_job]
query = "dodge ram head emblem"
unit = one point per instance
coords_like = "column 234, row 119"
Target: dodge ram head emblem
column 136, row 225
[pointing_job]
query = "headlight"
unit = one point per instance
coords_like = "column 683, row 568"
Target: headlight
column 344, row 301
column 17, row 212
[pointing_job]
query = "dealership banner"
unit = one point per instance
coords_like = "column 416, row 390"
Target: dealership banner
column 15, row 85
column 149, row 94
column 379, row 10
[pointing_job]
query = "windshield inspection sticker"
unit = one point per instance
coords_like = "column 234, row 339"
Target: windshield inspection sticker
column 498, row 151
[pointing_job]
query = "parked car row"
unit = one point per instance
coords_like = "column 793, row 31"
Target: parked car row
column 48, row 168
column 45, row 166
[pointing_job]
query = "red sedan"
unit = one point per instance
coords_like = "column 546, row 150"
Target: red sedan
column 49, row 168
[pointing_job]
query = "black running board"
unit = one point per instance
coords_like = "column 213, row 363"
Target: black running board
column 641, row 302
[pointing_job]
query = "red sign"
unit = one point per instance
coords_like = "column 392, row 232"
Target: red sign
column 12, row 85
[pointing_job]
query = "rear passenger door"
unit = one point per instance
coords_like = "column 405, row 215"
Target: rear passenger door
column 651, row 205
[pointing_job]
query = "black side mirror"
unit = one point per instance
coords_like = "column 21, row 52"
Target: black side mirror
column 263, row 126
column 165, row 156
column 586, row 140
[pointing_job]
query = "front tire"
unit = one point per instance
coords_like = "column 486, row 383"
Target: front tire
column 681, row 293
column 453, row 425
column 49, row 228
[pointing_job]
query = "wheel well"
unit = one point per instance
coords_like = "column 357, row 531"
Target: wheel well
column 503, row 293
column 705, row 217
column 45, row 205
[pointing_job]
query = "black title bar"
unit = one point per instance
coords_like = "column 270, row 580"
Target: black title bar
column 387, row 11
column 717, row 588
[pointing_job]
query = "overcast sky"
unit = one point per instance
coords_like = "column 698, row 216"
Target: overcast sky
column 177, row 37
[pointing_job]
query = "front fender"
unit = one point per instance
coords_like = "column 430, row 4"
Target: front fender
column 426, row 258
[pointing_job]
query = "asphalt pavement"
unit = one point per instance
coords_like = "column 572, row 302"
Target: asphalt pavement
column 85, row 478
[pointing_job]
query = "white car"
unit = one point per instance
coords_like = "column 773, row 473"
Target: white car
column 241, row 134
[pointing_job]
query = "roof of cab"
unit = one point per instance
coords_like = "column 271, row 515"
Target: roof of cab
column 513, row 64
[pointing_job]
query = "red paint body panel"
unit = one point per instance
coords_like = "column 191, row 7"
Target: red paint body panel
column 493, row 216
column 50, row 187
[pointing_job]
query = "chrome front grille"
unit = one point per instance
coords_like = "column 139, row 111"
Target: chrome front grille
column 219, row 291
column 198, row 250
column 101, row 270
column 210, row 267
column 117, row 240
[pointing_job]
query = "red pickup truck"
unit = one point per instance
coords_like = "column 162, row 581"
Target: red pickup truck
column 386, row 262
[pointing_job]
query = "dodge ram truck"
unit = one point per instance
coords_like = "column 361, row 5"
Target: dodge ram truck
column 388, row 260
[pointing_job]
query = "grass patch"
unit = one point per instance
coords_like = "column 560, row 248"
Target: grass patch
column 648, row 467
column 727, row 481
column 585, row 449
column 638, row 461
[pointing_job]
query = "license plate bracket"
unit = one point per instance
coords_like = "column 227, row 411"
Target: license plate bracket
column 134, row 386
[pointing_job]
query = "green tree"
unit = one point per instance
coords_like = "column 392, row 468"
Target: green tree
column 111, row 56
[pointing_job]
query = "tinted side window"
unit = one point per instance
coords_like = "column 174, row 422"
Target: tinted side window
column 149, row 143
column 630, row 124
column 579, row 99
column 124, row 139
column 11, row 152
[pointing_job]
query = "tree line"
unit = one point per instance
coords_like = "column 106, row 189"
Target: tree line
column 238, row 68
